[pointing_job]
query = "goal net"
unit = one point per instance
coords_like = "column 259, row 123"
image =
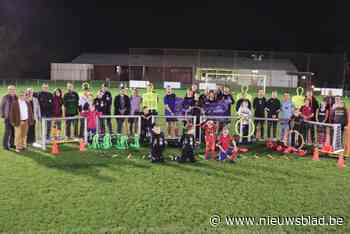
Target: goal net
column 308, row 133
column 129, row 125
column 60, row 130
column 174, row 126
column 233, row 79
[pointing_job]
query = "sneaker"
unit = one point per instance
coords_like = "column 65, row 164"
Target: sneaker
column 36, row 145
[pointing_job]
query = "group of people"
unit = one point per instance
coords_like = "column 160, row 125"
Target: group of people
column 23, row 111
column 300, row 117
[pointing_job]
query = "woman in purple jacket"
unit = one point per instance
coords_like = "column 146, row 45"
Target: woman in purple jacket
column 57, row 107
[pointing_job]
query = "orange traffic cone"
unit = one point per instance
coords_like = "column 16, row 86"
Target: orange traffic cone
column 316, row 155
column 341, row 162
column 82, row 145
column 55, row 149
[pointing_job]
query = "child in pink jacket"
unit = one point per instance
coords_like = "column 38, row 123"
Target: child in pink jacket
column 91, row 116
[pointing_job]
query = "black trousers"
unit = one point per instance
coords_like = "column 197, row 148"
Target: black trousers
column 69, row 123
column 271, row 125
column 9, row 135
column 103, row 123
column 261, row 123
column 245, row 129
column 306, row 129
column 31, row 134
column 120, row 122
column 81, row 128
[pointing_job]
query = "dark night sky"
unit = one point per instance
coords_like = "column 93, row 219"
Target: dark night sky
column 43, row 31
column 282, row 25
column 243, row 25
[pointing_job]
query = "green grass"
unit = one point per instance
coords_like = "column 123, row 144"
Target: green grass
column 94, row 192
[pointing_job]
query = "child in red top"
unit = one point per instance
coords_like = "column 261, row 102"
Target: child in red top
column 210, row 131
column 225, row 139
column 227, row 145
column 91, row 116
column 307, row 113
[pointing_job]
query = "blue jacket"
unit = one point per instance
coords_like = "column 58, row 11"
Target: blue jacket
column 287, row 109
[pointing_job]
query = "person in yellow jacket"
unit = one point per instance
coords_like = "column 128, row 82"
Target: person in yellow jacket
column 150, row 99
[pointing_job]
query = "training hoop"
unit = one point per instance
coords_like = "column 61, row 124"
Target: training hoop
column 298, row 135
column 251, row 128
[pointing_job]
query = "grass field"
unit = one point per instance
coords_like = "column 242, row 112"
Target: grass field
column 94, row 192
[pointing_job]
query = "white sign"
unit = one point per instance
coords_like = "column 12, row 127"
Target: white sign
column 173, row 85
column 209, row 86
column 325, row 91
column 138, row 83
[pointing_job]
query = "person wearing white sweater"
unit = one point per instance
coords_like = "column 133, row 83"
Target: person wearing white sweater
column 245, row 113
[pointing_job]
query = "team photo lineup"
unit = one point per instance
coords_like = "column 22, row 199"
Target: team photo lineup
column 174, row 117
column 222, row 123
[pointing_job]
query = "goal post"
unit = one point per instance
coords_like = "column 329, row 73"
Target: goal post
column 61, row 130
column 313, row 133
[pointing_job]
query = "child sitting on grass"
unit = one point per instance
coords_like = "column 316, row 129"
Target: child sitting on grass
column 227, row 146
column 92, row 115
column 157, row 145
column 188, row 144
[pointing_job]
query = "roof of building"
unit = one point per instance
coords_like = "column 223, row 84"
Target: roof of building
column 203, row 61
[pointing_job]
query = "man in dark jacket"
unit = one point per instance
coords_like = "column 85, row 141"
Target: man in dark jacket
column 71, row 107
column 259, row 105
column 273, row 107
column 121, row 107
column 108, row 99
column 45, row 99
column 5, row 107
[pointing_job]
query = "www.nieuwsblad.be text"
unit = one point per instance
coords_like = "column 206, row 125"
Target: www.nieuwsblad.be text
column 216, row 220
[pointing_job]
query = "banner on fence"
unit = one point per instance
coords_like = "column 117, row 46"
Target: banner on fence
column 138, row 83
column 173, row 85
column 325, row 91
